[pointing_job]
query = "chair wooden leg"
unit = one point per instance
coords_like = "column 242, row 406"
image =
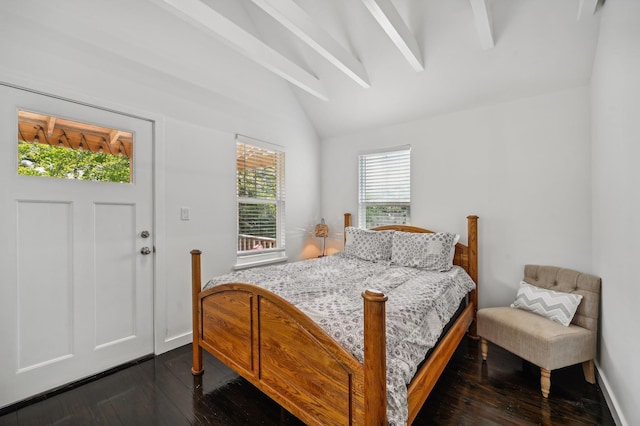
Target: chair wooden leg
column 484, row 347
column 589, row 371
column 545, row 381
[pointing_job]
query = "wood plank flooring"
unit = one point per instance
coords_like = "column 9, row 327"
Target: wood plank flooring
column 162, row 391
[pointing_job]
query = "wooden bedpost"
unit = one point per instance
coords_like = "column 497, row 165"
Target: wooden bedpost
column 472, row 243
column 347, row 222
column 375, row 358
column 196, row 287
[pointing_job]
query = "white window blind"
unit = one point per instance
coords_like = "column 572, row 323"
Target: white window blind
column 261, row 198
column 385, row 188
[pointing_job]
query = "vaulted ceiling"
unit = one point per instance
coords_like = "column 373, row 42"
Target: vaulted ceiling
column 358, row 64
column 347, row 65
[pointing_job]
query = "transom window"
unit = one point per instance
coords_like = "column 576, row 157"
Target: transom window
column 385, row 188
column 261, row 197
column 55, row 147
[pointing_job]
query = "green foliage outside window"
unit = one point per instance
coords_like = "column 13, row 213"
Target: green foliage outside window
column 257, row 183
column 257, row 219
column 380, row 215
column 36, row 159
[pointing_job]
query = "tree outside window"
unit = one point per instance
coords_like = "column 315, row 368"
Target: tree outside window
column 260, row 193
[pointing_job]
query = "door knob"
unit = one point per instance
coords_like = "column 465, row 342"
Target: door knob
column 145, row 250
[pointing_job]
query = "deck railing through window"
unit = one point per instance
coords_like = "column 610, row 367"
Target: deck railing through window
column 253, row 242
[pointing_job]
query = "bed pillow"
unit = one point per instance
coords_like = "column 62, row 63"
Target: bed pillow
column 430, row 251
column 368, row 245
column 555, row 305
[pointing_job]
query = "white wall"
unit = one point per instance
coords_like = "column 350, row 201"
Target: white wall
column 523, row 167
column 202, row 176
column 616, row 179
column 134, row 57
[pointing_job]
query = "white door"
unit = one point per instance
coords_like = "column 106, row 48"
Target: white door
column 76, row 293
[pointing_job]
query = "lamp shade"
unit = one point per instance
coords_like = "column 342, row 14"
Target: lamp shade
column 322, row 230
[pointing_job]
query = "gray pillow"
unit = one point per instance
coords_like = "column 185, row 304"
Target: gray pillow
column 368, row 245
column 430, row 251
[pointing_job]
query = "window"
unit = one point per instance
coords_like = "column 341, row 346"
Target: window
column 385, row 188
column 51, row 146
column 261, row 201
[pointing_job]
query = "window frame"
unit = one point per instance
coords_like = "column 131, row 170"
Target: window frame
column 362, row 196
column 251, row 258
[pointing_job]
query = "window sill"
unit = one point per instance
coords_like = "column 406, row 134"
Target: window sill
column 246, row 262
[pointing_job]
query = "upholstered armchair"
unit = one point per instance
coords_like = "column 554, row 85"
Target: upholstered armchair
column 542, row 341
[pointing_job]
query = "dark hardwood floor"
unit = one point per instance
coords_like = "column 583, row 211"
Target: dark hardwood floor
column 162, row 391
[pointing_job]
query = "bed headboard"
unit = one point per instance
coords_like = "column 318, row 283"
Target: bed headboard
column 465, row 256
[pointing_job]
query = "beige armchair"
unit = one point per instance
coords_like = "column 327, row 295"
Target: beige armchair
column 541, row 341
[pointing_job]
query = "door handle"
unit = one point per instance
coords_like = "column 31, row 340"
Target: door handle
column 145, row 250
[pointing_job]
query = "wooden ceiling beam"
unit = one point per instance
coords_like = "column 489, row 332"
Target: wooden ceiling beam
column 113, row 136
column 61, row 132
column 240, row 39
column 483, row 23
column 392, row 23
column 70, row 126
column 51, row 123
column 296, row 20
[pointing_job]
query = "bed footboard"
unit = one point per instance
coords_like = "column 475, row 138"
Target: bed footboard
column 280, row 350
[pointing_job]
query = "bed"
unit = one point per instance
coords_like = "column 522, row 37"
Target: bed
column 287, row 355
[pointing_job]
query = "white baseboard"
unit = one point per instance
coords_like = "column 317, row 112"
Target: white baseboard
column 612, row 402
column 174, row 342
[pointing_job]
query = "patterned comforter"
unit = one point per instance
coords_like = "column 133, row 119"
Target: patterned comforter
column 329, row 291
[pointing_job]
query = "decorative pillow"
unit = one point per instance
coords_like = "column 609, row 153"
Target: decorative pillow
column 427, row 251
column 368, row 245
column 555, row 305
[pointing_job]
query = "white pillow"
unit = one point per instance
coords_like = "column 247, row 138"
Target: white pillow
column 555, row 305
column 368, row 245
column 431, row 251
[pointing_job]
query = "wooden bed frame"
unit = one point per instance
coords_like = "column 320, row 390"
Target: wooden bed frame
column 290, row 358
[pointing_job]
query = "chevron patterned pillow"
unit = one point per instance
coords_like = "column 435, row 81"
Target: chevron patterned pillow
column 555, row 305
